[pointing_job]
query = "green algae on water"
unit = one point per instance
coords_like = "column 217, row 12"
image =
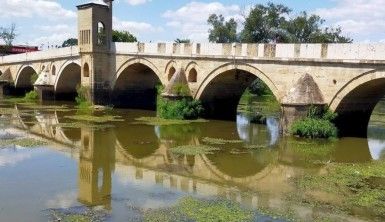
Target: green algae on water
column 200, row 210
column 156, row 121
column 193, row 150
column 96, row 119
column 23, row 142
column 219, row 141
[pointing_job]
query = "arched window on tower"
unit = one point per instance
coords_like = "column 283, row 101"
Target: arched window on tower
column 86, row 70
column 101, row 36
column 192, row 75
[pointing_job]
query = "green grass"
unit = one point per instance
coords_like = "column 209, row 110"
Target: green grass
column 31, row 96
column 314, row 128
column 184, row 109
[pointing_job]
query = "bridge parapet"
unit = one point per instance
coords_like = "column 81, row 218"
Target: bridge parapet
column 58, row 53
column 357, row 52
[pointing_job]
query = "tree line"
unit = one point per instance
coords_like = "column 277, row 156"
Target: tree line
column 274, row 23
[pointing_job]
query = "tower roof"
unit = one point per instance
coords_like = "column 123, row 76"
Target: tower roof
column 93, row 2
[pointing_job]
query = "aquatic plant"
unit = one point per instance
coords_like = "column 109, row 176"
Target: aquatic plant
column 23, row 142
column 317, row 124
column 156, row 121
column 347, row 186
column 96, row 119
column 31, row 96
column 184, row 109
column 193, row 150
column 201, row 210
column 81, row 98
column 219, row 141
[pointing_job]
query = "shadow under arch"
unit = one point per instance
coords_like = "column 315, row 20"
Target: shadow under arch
column 23, row 80
column 222, row 89
column 69, row 77
column 135, row 85
column 355, row 102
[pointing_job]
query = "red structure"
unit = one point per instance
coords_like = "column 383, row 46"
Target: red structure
column 4, row 50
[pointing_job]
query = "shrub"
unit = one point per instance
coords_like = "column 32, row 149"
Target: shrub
column 81, row 98
column 179, row 109
column 314, row 128
column 31, row 96
column 317, row 124
column 34, row 77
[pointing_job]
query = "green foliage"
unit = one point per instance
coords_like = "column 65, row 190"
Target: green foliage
column 259, row 88
column 34, row 77
column 81, row 99
column 182, row 40
column 221, row 31
column 317, row 124
column 31, row 96
column 273, row 23
column 123, row 36
column 70, row 42
column 181, row 90
column 184, row 109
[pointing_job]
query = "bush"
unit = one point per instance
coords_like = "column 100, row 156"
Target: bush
column 31, row 96
column 179, row 109
column 317, row 124
column 314, row 128
column 81, row 99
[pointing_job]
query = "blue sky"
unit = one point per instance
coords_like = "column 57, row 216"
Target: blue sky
column 43, row 22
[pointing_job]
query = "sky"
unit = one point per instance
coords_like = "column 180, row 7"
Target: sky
column 50, row 22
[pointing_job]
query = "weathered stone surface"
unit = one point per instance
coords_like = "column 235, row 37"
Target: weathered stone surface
column 304, row 92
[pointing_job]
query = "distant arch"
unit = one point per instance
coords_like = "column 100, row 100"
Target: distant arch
column 24, row 77
column 68, row 79
column 192, row 75
column 171, row 73
column 101, row 33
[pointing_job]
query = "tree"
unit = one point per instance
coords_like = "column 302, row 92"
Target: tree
column 123, row 36
column 182, row 41
column 307, row 29
column 70, row 42
column 266, row 24
column 221, row 31
column 271, row 23
column 8, row 34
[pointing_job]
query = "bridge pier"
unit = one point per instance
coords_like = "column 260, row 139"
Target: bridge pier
column 45, row 92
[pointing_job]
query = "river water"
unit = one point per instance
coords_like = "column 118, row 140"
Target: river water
column 118, row 167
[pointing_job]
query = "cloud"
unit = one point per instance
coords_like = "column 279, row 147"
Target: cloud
column 136, row 28
column 191, row 20
column 363, row 19
column 35, row 8
column 137, row 2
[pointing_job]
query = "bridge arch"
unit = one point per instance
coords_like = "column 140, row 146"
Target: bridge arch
column 221, row 90
column 24, row 77
column 135, row 85
column 69, row 77
column 355, row 102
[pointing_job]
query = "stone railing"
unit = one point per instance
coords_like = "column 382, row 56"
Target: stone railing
column 41, row 55
column 375, row 51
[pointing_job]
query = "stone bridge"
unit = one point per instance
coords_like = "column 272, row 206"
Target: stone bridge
column 349, row 78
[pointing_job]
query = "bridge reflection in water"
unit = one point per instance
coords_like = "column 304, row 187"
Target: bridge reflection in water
column 141, row 153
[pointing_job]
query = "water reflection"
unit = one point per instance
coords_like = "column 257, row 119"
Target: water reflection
column 135, row 152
